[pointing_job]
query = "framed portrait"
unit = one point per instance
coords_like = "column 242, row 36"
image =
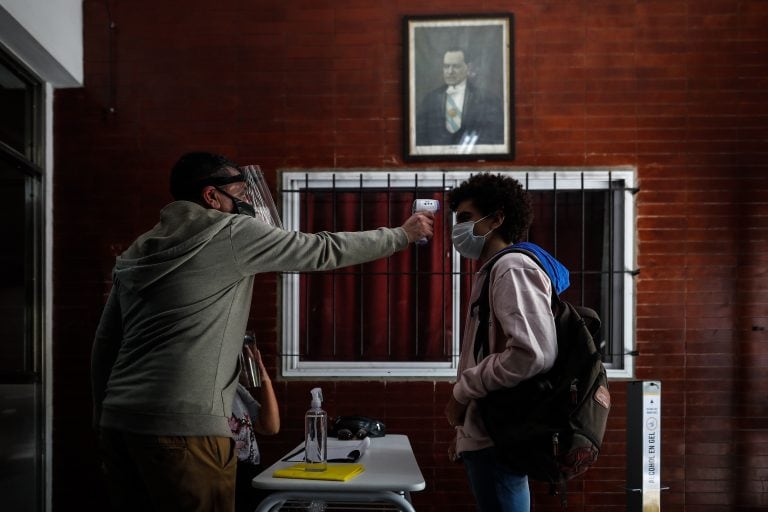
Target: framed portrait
column 458, row 79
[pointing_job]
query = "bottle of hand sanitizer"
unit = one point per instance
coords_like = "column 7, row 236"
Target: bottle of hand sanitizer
column 316, row 434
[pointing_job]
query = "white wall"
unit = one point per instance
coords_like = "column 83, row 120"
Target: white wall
column 47, row 36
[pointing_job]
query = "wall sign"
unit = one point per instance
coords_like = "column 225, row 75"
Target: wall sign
column 644, row 446
column 651, row 446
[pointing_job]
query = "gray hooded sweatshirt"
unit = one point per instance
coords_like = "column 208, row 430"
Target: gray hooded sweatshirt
column 164, row 359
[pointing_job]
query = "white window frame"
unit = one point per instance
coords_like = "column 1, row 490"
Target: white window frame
column 535, row 178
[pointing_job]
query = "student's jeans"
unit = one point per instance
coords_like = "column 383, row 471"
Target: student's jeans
column 496, row 488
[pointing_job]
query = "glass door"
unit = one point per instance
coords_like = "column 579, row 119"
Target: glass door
column 22, row 397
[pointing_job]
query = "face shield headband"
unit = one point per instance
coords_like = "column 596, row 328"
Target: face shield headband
column 256, row 200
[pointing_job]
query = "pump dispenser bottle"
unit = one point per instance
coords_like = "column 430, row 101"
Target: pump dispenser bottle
column 316, row 434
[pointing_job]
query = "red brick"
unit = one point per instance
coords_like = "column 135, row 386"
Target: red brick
column 675, row 88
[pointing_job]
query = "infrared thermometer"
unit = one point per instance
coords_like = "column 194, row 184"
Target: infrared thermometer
column 425, row 205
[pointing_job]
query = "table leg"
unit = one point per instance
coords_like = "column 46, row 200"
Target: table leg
column 274, row 501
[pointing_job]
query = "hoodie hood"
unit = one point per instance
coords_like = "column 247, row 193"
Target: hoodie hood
column 183, row 230
column 556, row 271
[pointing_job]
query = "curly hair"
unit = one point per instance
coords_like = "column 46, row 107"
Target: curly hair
column 490, row 193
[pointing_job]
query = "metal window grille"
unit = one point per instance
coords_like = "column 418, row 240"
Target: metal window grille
column 584, row 217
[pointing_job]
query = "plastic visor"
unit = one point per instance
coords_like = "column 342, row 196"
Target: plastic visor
column 257, row 194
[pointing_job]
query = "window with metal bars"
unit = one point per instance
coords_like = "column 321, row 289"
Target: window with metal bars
column 403, row 316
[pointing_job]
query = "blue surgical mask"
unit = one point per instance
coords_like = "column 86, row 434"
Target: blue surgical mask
column 466, row 241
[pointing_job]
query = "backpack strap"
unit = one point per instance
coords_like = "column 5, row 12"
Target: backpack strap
column 483, row 315
column 591, row 319
column 482, row 303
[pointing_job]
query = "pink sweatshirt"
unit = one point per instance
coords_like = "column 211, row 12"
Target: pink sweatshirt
column 522, row 339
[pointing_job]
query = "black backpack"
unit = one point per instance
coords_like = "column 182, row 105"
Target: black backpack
column 550, row 426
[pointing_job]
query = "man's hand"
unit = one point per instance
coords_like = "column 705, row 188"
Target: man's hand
column 455, row 412
column 419, row 225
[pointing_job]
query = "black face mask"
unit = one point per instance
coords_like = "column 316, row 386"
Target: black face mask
column 241, row 206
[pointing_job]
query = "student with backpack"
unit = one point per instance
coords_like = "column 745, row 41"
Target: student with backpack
column 492, row 212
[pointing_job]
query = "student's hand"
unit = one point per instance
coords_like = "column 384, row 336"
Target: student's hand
column 268, row 420
column 452, row 455
column 256, row 356
column 262, row 369
column 252, row 353
column 419, row 225
column 454, row 412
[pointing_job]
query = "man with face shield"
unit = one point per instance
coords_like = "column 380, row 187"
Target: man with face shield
column 492, row 213
column 164, row 365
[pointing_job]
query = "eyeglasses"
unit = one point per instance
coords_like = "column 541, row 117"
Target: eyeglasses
column 345, row 434
column 239, row 195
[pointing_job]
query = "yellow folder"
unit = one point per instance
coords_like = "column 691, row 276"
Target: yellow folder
column 336, row 472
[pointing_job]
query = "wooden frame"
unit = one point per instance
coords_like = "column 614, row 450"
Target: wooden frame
column 458, row 87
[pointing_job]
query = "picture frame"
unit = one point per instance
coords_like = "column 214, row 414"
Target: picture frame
column 458, row 87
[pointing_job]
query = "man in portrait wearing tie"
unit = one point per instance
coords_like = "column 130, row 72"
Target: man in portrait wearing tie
column 459, row 112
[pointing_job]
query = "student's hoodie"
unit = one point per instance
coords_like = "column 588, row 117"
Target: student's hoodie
column 522, row 336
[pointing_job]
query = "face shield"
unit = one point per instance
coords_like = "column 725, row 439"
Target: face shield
column 253, row 199
column 257, row 194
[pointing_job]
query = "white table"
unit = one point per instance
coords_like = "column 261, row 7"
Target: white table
column 391, row 473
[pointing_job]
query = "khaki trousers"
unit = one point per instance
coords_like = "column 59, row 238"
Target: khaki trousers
column 169, row 473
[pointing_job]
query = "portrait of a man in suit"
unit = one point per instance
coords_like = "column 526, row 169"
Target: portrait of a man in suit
column 458, row 87
column 461, row 111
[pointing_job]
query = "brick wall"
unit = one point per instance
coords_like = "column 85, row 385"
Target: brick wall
column 676, row 88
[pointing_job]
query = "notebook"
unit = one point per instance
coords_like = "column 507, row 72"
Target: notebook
column 338, row 451
column 335, row 472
